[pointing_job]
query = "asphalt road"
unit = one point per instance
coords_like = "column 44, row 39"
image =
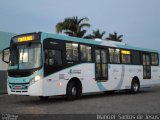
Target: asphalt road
column 147, row 101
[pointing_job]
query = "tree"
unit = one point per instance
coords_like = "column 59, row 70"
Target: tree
column 73, row 26
column 115, row 37
column 95, row 34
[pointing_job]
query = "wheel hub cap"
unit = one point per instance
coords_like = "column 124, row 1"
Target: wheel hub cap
column 74, row 91
column 135, row 87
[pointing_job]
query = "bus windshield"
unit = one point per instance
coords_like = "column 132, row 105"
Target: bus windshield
column 24, row 57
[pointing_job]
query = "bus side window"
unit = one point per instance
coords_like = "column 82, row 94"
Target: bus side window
column 53, row 57
column 126, row 56
column 136, row 59
column 72, row 51
column 85, row 53
column 114, row 55
column 154, row 59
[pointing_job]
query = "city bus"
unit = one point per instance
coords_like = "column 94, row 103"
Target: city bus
column 45, row 64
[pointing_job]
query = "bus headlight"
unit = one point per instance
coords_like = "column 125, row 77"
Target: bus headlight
column 35, row 79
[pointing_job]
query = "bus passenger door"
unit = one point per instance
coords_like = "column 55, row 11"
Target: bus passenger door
column 101, row 66
column 146, row 66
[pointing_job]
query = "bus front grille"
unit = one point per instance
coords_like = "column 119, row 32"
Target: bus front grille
column 18, row 91
column 19, row 87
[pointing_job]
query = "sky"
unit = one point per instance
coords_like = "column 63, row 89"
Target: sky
column 137, row 20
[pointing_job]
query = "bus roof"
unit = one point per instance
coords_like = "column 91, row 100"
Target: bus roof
column 45, row 35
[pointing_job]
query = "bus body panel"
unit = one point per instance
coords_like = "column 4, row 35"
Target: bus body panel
column 120, row 77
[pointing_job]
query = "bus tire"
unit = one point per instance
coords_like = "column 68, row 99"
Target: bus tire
column 110, row 92
column 44, row 97
column 72, row 91
column 135, row 86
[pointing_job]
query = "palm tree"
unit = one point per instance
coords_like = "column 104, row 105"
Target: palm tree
column 115, row 37
column 95, row 34
column 73, row 26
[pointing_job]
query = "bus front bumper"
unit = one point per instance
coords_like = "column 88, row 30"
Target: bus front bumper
column 35, row 89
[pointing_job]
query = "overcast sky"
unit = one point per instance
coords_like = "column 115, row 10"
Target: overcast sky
column 137, row 20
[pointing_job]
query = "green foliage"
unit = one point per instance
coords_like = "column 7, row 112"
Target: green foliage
column 73, row 26
column 115, row 37
column 95, row 34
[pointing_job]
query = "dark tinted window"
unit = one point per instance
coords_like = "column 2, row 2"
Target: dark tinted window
column 104, row 63
column 154, row 59
column 53, row 57
column 101, row 64
column 98, row 65
column 136, row 58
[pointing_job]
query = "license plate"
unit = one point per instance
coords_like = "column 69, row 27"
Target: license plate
column 17, row 87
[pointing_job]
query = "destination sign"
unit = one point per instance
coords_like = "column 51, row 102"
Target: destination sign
column 25, row 38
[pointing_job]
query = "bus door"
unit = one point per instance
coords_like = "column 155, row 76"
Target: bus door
column 53, row 53
column 146, row 66
column 101, row 65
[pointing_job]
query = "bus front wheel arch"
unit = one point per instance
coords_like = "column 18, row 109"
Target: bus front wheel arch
column 74, row 89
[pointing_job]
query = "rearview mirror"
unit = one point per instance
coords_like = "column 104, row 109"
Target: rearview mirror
column 5, row 55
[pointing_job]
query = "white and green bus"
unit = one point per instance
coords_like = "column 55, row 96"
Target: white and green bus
column 45, row 64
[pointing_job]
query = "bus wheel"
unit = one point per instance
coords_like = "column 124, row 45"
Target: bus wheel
column 72, row 91
column 44, row 97
column 135, row 86
column 110, row 92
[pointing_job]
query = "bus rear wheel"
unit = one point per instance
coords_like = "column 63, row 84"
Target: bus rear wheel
column 135, row 86
column 72, row 91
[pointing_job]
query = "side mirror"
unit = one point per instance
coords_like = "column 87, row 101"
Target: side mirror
column 5, row 55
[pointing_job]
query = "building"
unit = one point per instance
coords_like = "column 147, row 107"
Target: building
column 5, row 38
